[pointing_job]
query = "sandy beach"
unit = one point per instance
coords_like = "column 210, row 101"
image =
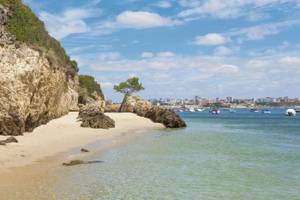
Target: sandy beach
column 63, row 134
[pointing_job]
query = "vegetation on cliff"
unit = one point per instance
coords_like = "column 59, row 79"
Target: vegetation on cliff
column 27, row 28
column 88, row 86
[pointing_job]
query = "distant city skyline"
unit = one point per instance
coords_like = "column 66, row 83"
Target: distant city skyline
column 182, row 48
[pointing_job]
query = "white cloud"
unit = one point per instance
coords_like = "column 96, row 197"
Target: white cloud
column 189, row 3
column 147, row 55
column 109, row 56
column 290, row 60
column 106, row 85
column 166, row 54
column 210, row 39
column 142, row 19
column 259, row 32
column 228, row 69
column 264, row 72
column 164, row 4
column 223, row 51
column 69, row 22
column 227, row 9
column 163, row 61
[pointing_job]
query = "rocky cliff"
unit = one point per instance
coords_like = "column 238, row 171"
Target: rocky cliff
column 38, row 81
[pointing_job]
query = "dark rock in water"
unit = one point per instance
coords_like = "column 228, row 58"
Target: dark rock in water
column 83, row 150
column 74, row 162
column 167, row 117
column 11, row 140
column 2, row 143
column 81, row 162
column 93, row 118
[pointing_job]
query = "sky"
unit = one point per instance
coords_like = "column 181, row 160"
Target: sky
column 182, row 48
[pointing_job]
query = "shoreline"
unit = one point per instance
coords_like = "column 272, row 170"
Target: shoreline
column 64, row 135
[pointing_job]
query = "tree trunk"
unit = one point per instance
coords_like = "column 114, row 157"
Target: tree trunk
column 123, row 102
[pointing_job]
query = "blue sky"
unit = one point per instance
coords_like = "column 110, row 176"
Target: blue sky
column 182, row 48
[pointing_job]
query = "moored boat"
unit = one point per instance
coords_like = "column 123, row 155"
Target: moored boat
column 199, row 109
column 290, row 112
column 266, row 111
column 191, row 109
column 215, row 111
column 253, row 110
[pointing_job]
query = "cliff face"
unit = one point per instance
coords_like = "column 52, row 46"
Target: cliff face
column 33, row 88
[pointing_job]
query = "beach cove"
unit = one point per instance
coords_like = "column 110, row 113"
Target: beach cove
column 38, row 153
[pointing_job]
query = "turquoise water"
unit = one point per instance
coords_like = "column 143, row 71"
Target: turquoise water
column 233, row 156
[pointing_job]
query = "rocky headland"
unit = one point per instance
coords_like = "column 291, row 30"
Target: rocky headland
column 145, row 109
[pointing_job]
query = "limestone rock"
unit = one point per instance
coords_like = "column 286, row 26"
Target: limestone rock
column 111, row 107
column 93, row 117
column 129, row 103
column 32, row 89
column 167, row 117
column 144, row 108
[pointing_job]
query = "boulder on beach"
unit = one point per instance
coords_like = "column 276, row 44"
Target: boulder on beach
column 93, row 117
column 9, row 140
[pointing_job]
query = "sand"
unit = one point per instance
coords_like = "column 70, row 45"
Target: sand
column 63, row 134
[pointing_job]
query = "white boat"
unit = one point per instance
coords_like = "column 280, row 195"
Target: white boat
column 254, row 110
column 192, row 109
column 215, row 111
column 199, row 109
column 290, row 112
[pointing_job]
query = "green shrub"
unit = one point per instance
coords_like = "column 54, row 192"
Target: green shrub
column 26, row 27
column 88, row 85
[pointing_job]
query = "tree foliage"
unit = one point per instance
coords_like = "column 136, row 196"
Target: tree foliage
column 88, row 85
column 130, row 86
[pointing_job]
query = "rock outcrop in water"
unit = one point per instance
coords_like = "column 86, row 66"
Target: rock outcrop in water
column 38, row 80
column 144, row 108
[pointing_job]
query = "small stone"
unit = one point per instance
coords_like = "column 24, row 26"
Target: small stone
column 83, row 150
column 74, row 162
column 81, row 162
column 2, row 143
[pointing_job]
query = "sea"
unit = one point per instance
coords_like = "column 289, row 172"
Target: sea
column 230, row 156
